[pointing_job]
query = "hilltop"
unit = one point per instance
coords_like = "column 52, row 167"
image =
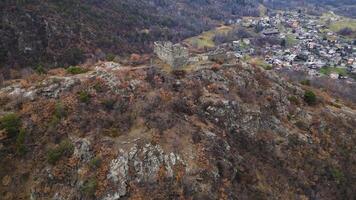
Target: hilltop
column 229, row 107
column 235, row 131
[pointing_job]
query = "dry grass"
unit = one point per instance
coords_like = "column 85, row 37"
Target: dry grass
column 205, row 40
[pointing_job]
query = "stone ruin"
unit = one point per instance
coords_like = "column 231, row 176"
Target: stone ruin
column 173, row 54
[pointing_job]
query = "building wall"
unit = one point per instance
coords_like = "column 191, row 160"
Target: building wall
column 173, row 54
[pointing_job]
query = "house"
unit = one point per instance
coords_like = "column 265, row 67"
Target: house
column 270, row 31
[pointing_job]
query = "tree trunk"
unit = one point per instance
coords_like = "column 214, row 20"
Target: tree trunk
column 1, row 80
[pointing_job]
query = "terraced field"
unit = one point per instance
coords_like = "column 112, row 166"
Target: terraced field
column 206, row 39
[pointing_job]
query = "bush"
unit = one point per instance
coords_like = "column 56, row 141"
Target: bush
column 268, row 67
column 84, row 96
column 40, row 69
column 59, row 113
column 109, row 103
column 95, row 163
column 73, row 56
column 305, row 82
column 98, row 87
column 60, row 110
column 65, row 148
column 11, row 123
column 180, row 105
column 179, row 74
column 112, row 132
column 337, row 175
column 20, row 143
column 89, row 187
column 110, row 57
column 75, row 70
column 346, row 31
column 294, row 100
column 310, row 97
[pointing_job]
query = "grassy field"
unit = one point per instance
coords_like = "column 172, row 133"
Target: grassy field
column 340, row 24
column 291, row 40
column 205, row 40
column 346, row 23
column 259, row 62
column 329, row 70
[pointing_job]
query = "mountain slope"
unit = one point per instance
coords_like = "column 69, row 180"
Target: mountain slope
column 234, row 132
column 61, row 33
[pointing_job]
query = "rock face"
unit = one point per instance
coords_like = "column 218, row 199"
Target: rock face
column 237, row 132
column 173, row 54
column 144, row 163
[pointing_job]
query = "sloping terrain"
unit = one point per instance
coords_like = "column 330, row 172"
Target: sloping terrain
column 62, row 33
column 345, row 8
column 234, row 132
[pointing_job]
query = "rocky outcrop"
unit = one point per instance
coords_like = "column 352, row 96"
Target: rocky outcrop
column 237, row 132
column 144, row 163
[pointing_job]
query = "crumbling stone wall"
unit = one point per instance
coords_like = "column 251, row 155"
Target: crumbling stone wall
column 173, row 54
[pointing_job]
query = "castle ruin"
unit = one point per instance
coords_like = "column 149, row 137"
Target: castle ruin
column 173, row 54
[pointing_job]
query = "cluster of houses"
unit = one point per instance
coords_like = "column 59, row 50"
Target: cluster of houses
column 308, row 46
column 313, row 48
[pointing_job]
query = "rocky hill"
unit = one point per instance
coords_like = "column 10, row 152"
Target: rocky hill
column 61, row 33
column 221, row 132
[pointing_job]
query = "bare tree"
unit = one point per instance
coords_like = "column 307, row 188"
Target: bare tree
column 1, row 80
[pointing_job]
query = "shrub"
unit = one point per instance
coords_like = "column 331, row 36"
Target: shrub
column 112, row 132
column 181, row 105
column 109, row 103
column 89, row 187
column 20, row 143
column 302, row 125
column 294, row 100
column 179, row 73
column 346, row 31
column 11, row 123
column 98, row 87
column 294, row 141
column 84, row 96
column 73, row 56
column 75, row 70
column 59, row 113
column 65, row 148
column 337, row 175
column 268, row 67
column 40, row 69
column 60, row 110
column 110, row 57
column 305, row 82
column 95, row 162
column 310, row 97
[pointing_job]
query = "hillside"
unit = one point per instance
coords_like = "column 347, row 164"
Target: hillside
column 61, row 33
column 228, row 132
column 345, row 8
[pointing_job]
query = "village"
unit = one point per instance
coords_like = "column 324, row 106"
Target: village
column 304, row 43
column 308, row 45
